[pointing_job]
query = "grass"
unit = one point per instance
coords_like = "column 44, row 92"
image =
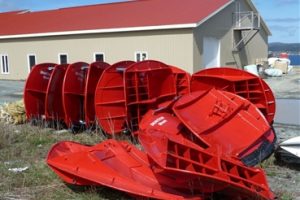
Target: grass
column 27, row 146
column 282, row 178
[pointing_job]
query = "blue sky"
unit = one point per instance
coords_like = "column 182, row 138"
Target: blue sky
column 282, row 16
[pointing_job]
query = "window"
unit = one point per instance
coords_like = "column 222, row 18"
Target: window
column 99, row 57
column 31, row 61
column 4, row 64
column 63, row 58
column 140, row 56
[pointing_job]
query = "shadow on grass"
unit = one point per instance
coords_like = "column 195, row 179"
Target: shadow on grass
column 292, row 166
column 103, row 192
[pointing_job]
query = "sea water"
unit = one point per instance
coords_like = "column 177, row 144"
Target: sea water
column 295, row 60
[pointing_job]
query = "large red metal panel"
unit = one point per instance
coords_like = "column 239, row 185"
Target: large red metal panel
column 110, row 98
column 114, row 164
column 147, row 83
column 181, row 158
column 73, row 94
column 93, row 75
column 125, row 94
column 242, row 83
column 35, row 90
column 182, row 81
column 54, row 103
column 229, row 123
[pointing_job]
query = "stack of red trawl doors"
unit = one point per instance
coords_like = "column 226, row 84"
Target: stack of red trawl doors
column 63, row 93
column 200, row 139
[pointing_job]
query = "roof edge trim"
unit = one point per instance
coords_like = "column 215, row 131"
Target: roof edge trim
column 93, row 31
column 214, row 13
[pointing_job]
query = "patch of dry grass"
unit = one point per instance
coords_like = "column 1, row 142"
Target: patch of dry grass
column 27, row 146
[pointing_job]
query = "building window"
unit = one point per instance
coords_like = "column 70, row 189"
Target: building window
column 140, row 56
column 31, row 61
column 4, row 64
column 63, row 58
column 99, row 57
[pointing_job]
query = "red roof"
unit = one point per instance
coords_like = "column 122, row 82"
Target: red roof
column 140, row 13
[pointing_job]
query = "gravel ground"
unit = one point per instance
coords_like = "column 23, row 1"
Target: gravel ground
column 11, row 90
column 286, row 86
column 284, row 179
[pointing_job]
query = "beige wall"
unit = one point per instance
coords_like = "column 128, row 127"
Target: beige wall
column 173, row 47
column 221, row 27
column 179, row 47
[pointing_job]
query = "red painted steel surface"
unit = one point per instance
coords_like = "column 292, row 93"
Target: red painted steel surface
column 178, row 168
column 127, row 90
column 73, row 93
column 196, row 144
column 242, row 83
column 114, row 164
column 147, row 84
column 93, row 75
column 218, row 118
column 182, row 81
column 53, row 103
column 35, row 90
column 224, row 115
column 109, row 16
column 110, row 98
column 164, row 139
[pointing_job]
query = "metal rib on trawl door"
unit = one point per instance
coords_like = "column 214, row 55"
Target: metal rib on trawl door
column 203, row 170
column 242, row 83
column 182, row 80
column 229, row 123
column 54, row 104
column 110, row 106
column 74, row 94
column 114, row 164
column 148, row 83
column 93, row 75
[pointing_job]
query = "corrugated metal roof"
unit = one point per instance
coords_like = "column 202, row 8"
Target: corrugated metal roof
column 131, row 14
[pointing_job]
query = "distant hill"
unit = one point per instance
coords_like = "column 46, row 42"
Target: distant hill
column 284, row 47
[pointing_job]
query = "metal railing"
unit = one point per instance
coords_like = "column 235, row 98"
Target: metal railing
column 246, row 20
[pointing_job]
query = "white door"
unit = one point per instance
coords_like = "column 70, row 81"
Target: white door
column 211, row 52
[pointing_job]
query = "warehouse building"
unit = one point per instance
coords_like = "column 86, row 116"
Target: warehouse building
column 190, row 34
